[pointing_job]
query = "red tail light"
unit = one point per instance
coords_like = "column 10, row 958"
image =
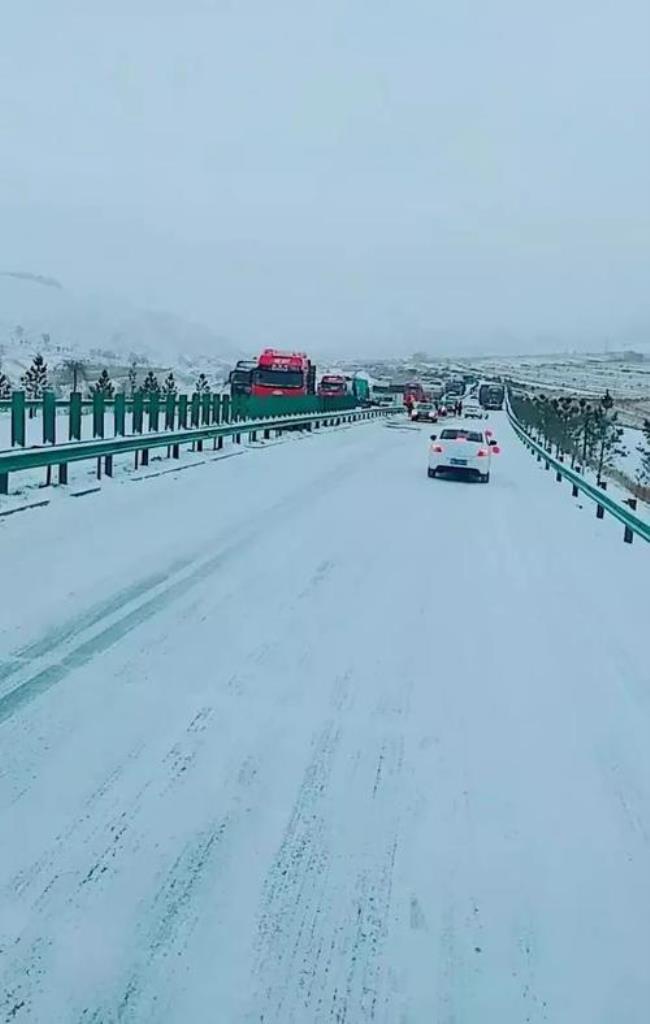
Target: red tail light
column 495, row 449
column 482, row 451
column 436, row 448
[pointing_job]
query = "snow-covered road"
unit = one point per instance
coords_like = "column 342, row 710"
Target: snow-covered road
column 309, row 737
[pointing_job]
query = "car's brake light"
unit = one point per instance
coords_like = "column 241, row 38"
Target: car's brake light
column 436, row 448
column 482, row 451
column 495, row 449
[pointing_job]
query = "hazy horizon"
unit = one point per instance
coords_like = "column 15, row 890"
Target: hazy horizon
column 383, row 178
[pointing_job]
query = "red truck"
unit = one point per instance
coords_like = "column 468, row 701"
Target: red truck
column 283, row 373
column 333, row 384
column 413, row 392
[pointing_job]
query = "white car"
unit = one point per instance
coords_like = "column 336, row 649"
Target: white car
column 462, row 452
column 472, row 410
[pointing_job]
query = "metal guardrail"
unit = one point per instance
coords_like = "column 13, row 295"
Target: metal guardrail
column 632, row 524
column 146, row 413
column 62, row 455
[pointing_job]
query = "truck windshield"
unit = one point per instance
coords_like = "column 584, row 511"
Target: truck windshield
column 279, row 378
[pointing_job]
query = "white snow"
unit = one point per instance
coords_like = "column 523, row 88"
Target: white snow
column 311, row 737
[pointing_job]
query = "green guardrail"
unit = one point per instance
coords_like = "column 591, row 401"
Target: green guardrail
column 150, row 412
column 62, row 455
column 604, row 503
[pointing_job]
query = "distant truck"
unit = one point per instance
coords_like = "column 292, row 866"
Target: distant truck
column 241, row 378
column 283, row 373
column 361, row 390
column 491, row 396
column 413, row 392
column 333, row 385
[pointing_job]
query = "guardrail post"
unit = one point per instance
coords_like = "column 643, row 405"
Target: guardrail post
column 628, row 533
column 4, row 483
column 558, row 476
column 195, row 410
column 18, row 418
column 63, row 474
column 74, row 416
column 108, row 465
column 145, row 457
column 119, row 415
column 600, row 511
column 98, row 414
column 138, row 412
column 574, row 491
column 206, row 405
column 170, row 411
column 182, row 412
column 154, row 411
column 176, row 451
column 49, row 417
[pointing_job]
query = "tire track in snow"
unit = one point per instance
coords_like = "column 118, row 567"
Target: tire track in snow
column 324, row 915
column 154, row 595
column 108, row 835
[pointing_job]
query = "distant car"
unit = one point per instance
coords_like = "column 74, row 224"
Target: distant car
column 462, row 452
column 472, row 410
column 424, row 412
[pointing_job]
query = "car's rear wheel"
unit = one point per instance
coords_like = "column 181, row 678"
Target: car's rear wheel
column 431, row 473
column 485, row 478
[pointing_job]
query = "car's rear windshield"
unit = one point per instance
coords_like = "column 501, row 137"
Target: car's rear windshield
column 461, row 435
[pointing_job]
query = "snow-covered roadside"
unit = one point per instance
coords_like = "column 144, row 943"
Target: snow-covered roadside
column 28, row 488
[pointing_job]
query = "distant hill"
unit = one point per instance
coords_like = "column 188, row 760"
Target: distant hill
column 37, row 313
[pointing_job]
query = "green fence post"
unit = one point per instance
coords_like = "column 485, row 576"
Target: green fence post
column 138, row 412
column 195, row 410
column 154, row 411
column 225, row 409
column 49, row 417
column 18, row 418
column 206, row 404
column 119, row 415
column 182, row 412
column 216, row 408
column 170, row 411
column 99, row 408
column 74, row 417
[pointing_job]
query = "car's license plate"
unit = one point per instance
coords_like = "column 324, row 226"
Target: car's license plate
column 458, row 462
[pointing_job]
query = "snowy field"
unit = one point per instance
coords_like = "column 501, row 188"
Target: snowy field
column 577, row 374
column 318, row 739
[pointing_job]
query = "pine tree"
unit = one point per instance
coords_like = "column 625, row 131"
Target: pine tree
column 202, row 386
column 35, row 379
column 150, row 383
column 103, row 386
column 133, row 378
column 643, row 469
column 607, row 435
column 5, row 386
column 170, row 387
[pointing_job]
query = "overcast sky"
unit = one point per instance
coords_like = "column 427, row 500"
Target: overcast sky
column 347, row 174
